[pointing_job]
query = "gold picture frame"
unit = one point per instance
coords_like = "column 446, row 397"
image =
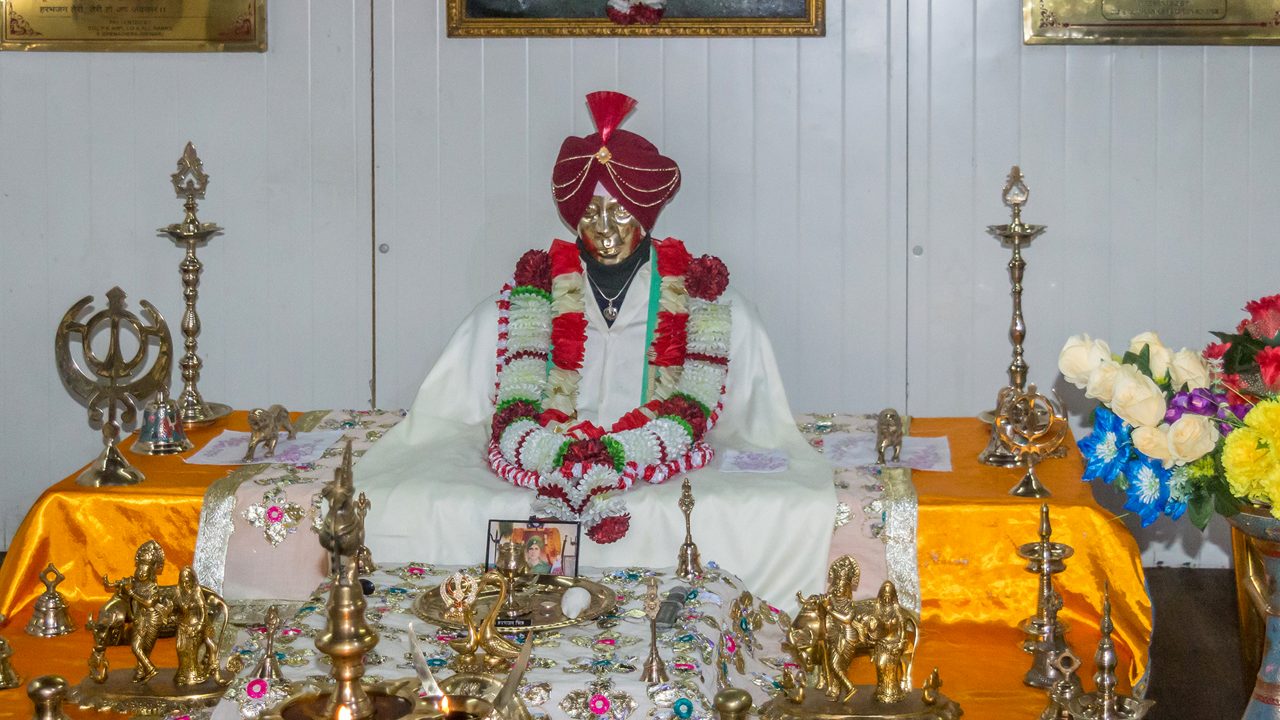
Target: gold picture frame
column 1151, row 22
column 134, row 25
column 587, row 18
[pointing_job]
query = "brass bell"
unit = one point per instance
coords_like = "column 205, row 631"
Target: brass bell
column 161, row 432
column 8, row 676
column 49, row 618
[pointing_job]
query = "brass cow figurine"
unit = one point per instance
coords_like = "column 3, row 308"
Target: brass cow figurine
column 265, row 427
column 888, row 435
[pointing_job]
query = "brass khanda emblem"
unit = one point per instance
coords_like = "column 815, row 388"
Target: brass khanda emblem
column 1031, row 426
column 113, row 384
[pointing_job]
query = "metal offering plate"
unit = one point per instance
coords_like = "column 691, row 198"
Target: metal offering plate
column 540, row 595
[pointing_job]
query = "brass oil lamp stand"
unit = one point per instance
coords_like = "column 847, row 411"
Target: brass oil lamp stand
column 1047, row 633
column 1015, row 235
column 1104, row 703
column 190, row 182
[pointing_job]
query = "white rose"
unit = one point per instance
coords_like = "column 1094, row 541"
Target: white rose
column 1079, row 356
column 1154, row 443
column 1192, row 437
column 1188, row 368
column 1102, row 381
column 1161, row 356
column 1136, row 398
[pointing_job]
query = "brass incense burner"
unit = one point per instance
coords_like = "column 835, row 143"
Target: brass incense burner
column 115, row 382
column 190, row 182
column 831, row 631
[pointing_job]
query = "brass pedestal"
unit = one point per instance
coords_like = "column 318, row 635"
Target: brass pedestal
column 862, row 706
column 157, row 696
column 1251, row 603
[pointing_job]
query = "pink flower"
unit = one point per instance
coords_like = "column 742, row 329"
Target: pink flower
column 599, row 704
column 730, row 645
column 257, row 688
column 275, row 514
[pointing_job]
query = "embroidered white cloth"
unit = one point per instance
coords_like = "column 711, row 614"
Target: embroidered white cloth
column 858, row 449
column 432, row 490
column 570, row 668
column 229, row 446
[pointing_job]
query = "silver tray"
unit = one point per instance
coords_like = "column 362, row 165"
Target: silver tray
column 540, row 594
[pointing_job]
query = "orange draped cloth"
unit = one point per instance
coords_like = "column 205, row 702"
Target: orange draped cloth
column 974, row 587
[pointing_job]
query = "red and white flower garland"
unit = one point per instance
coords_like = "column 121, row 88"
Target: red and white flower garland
column 578, row 469
column 639, row 12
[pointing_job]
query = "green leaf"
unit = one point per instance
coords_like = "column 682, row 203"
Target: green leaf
column 1140, row 360
column 1200, row 509
column 1240, row 356
column 1224, row 502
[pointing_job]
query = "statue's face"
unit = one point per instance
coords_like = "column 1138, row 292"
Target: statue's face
column 610, row 230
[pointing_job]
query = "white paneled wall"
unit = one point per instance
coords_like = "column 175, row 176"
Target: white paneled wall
column 846, row 180
column 791, row 152
column 89, row 141
column 1154, row 168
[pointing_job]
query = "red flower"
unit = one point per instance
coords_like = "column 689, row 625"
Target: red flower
column 564, row 258
column 510, row 414
column 587, row 429
column 673, row 259
column 646, row 15
column 568, row 340
column 1268, row 360
column 534, row 269
column 1264, row 316
column 588, row 452
column 669, row 339
column 706, row 278
column 551, row 415
column 686, row 410
column 619, row 17
column 610, row 529
column 1215, row 351
column 630, row 421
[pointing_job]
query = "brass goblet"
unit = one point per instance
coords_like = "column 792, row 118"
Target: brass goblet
column 510, row 564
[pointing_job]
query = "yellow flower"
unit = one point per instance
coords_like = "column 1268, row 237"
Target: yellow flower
column 1265, row 418
column 1250, row 464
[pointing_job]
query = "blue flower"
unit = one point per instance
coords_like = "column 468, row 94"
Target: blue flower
column 1148, row 487
column 1108, row 448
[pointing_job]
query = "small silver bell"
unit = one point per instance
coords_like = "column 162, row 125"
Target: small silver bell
column 161, row 432
column 8, row 676
column 49, row 618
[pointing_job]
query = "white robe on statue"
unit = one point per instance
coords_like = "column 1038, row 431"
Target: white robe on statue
column 432, row 491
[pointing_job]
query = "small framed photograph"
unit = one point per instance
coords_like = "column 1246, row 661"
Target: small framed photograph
column 549, row 547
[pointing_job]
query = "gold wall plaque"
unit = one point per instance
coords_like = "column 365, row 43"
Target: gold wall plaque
column 1151, row 22
column 579, row 18
column 134, row 25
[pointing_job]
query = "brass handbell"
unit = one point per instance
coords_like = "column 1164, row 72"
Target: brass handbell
column 161, row 432
column 49, row 618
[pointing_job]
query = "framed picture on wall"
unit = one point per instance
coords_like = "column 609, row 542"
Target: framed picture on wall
column 515, row 18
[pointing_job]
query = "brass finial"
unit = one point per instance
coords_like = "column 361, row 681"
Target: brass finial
column 47, row 693
column 733, row 704
column 688, row 563
column 1104, row 703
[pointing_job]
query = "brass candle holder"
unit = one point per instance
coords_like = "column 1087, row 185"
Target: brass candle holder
column 190, row 182
column 1015, row 235
column 116, row 382
column 1104, row 703
column 688, row 563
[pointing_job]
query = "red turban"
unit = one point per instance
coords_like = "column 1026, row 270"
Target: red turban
column 630, row 167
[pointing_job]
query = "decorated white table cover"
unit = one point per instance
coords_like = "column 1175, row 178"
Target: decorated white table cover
column 258, row 542
column 586, row 671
